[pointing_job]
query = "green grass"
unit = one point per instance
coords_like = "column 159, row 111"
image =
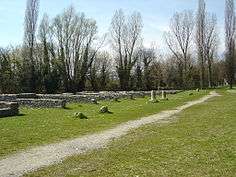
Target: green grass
column 200, row 142
column 42, row 126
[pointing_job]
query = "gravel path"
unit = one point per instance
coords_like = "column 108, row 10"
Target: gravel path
column 33, row 159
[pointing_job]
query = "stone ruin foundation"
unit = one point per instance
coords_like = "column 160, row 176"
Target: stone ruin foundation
column 60, row 100
column 9, row 109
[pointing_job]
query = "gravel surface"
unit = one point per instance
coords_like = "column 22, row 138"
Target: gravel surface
column 33, row 159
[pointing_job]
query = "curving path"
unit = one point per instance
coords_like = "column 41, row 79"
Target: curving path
column 33, row 159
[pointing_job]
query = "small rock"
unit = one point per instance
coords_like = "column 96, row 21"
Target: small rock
column 80, row 115
column 94, row 101
column 104, row 109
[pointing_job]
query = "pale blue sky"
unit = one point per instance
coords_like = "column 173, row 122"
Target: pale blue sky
column 156, row 15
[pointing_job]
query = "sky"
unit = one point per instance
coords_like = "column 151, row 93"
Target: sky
column 156, row 15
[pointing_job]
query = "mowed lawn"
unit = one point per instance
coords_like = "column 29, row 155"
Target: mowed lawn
column 199, row 142
column 42, row 126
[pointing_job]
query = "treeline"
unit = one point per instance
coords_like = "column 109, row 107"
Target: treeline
column 65, row 53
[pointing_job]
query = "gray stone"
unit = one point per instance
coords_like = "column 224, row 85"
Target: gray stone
column 104, row 109
column 9, row 109
column 94, row 101
column 67, row 93
column 153, row 97
column 27, row 95
column 42, row 103
column 80, row 115
column 164, row 95
column 81, row 97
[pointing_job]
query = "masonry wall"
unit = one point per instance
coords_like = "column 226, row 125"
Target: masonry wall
column 9, row 109
column 59, row 100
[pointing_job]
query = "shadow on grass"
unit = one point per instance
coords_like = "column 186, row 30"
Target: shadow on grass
column 109, row 112
column 21, row 115
column 67, row 108
column 12, row 117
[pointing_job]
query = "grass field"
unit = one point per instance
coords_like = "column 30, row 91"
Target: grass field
column 200, row 142
column 41, row 126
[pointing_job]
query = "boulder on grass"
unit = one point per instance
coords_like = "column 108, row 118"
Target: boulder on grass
column 80, row 115
column 94, row 101
column 104, row 109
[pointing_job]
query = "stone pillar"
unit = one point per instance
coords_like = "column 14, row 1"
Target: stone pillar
column 163, row 95
column 131, row 96
column 153, row 96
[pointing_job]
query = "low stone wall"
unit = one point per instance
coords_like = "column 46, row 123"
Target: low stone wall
column 27, row 95
column 42, row 103
column 9, row 109
column 59, row 100
column 88, row 97
column 33, row 100
column 8, row 97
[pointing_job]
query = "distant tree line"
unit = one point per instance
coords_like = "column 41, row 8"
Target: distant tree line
column 66, row 54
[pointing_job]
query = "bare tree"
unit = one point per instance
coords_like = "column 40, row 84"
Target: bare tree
column 230, row 22
column 44, row 32
column 179, row 40
column 146, row 57
column 210, row 45
column 206, row 42
column 125, row 34
column 99, row 71
column 74, row 37
column 200, row 40
column 31, row 17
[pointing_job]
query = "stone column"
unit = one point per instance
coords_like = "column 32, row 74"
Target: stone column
column 163, row 95
column 153, row 96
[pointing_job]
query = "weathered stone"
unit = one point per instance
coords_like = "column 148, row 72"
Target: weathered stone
column 68, row 94
column 104, row 109
column 42, row 103
column 198, row 90
column 164, row 95
column 27, row 95
column 94, row 101
column 9, row 109
column 153, row 97
column 80, row 115
column 81, row 97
